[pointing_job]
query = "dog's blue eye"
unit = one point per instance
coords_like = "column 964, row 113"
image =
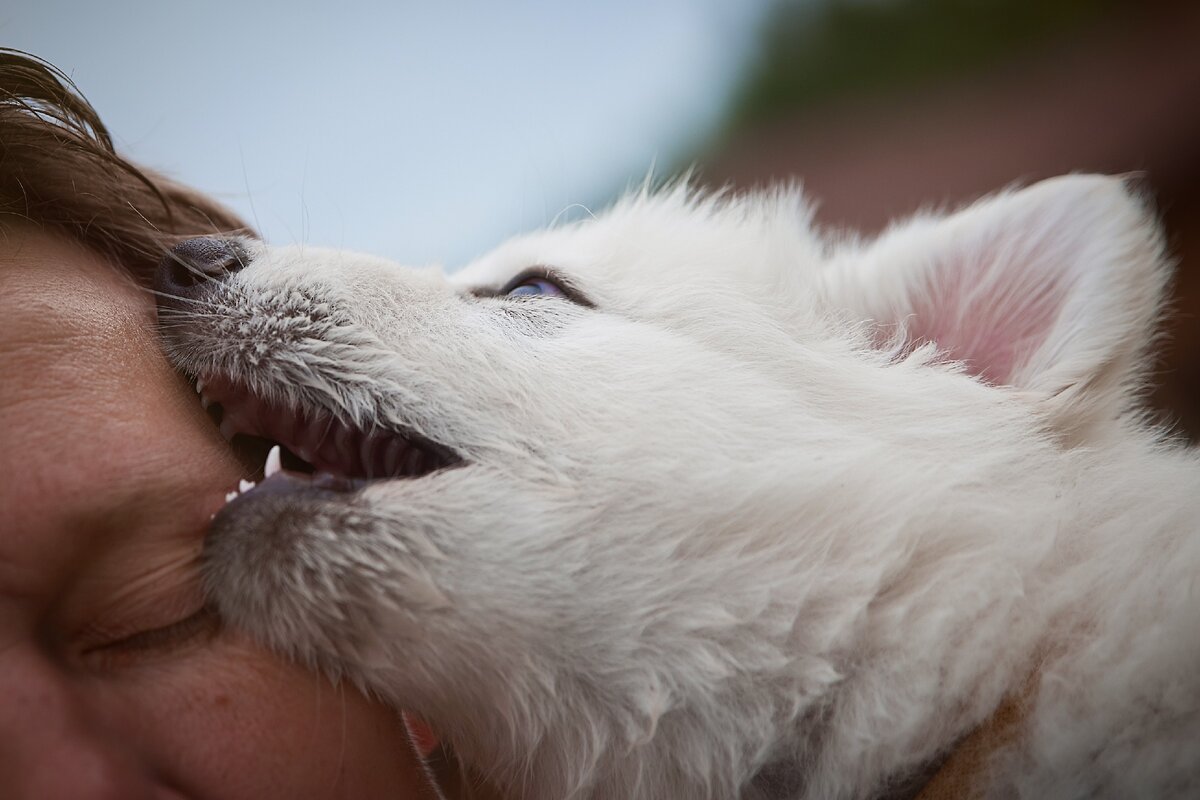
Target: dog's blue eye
column 543, row 283
column 536, row 286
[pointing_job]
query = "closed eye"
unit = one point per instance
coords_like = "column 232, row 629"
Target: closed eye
column 199, row 626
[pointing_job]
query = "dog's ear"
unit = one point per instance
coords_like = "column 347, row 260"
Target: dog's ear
column 1054, row 289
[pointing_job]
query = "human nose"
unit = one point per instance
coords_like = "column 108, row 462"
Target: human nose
column 188, row 268
column 53, row 746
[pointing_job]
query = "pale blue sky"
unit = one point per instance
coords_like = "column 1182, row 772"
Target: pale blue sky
column 426, row 131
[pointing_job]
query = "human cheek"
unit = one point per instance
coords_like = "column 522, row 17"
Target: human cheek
column 233, row 721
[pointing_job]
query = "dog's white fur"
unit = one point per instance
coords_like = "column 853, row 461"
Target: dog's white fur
column 781, row 516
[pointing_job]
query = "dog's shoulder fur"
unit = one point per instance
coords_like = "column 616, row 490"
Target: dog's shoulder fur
column 746, row 511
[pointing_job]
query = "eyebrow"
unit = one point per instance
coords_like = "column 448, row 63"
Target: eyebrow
column 570, row 289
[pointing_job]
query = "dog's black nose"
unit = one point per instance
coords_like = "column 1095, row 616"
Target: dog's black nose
column 191, row 266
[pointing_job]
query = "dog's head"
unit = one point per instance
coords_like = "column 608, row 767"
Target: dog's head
column 674, row 328
column 639, row 390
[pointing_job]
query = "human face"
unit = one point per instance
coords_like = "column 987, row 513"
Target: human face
column 114, row 682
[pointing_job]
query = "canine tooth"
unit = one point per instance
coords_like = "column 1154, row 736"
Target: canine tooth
column 274, row 462
column 230, row 495
column 200, row 384
column 245, row 486
column 205, row 402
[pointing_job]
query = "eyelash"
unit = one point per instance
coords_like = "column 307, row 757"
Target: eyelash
column 204, row 623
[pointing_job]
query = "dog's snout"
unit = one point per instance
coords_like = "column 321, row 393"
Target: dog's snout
column 188, row 267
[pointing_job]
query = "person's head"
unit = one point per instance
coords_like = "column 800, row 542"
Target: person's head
column 115, row 680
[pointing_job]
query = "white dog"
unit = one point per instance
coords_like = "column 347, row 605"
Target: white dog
column 687, row 501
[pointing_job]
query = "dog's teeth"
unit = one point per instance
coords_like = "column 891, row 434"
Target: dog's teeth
column 230, row 496
column 228, row 429
column 200, row 384
column 274, row 462
column 205, row 402
column 245, row 486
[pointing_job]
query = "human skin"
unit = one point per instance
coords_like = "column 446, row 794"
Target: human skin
column 111, row 684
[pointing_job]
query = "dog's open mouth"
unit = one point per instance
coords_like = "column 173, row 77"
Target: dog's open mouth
column 314, row 445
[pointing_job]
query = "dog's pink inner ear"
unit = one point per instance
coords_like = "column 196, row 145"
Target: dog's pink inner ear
column 991, row 306
column 1052, row 289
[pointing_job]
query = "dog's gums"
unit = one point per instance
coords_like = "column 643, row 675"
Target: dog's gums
column 337, row 455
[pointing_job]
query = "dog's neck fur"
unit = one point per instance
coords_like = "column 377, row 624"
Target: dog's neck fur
column 1063, row 638
column 963, row 774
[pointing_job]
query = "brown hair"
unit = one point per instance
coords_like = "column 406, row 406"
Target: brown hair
column 58, row 168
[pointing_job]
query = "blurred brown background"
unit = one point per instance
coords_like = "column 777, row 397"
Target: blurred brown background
column 881, row 108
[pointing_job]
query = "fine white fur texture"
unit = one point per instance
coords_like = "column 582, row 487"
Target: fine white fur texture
column 781, row 515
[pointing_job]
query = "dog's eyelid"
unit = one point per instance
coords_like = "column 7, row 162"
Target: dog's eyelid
column 569, row 289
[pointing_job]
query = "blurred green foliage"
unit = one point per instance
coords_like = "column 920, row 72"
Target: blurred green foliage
column 815, row 51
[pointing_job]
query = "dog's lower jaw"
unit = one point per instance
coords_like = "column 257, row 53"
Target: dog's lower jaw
column 546, row 675
column 569, row 661
column 537, row 679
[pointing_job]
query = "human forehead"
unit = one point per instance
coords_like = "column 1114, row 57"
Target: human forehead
column 69, row 322
column 55, row 291
column 83, row 388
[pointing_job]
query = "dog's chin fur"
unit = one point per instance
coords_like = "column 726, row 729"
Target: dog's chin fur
column 776, row 515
